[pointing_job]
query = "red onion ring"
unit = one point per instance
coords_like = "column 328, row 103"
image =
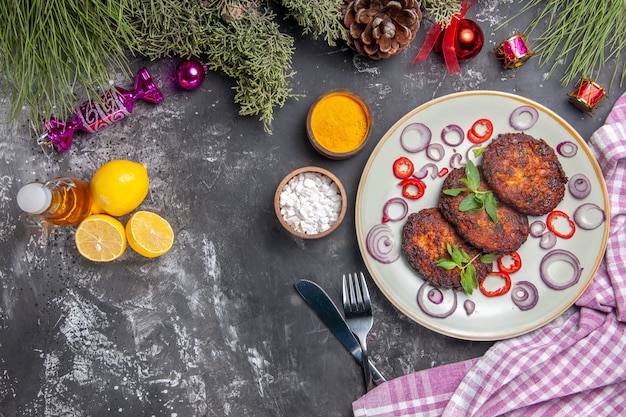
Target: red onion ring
column 559, row 255
column 381, row 245
column 567, row 149
column 435, row 148
column 422, row 302
column 582, row 216
column 548, row 240
column 455, row 160
column 396, row 200
column 537, row 228
column 579, row 186
column 518, row 123
column 435, row 296
column 423, row 172
column 425, row 135
column 469, row 307
column 470, row 151
column 524, row 295
column 449, row 129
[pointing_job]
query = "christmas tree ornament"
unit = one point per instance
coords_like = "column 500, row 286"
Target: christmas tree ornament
column 467, row 41
column 460, row 40
column 513, row 51
column 190, row 74
column 93, row 115
column 380, row 29
column 587, row 95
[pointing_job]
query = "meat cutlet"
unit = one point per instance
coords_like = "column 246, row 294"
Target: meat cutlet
column 477, row 228
column 524, row 172
column 424, row 239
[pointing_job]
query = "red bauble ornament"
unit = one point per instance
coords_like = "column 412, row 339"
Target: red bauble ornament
column 468, row 41
column 190, row 74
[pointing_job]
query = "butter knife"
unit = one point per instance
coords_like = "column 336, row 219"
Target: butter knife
column 326, row 310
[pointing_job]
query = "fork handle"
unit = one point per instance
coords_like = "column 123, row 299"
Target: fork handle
column 367, row 373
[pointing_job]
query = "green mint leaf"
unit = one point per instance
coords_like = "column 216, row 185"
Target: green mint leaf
column 446, row 264
column 478, row 151
column 488, row 258
column 455, row 191
column 491, row 206
column 472, row 175
column 468, row 279
column 469, row 203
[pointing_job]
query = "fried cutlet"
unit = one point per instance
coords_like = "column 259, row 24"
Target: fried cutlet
column 424, row 239
column 524, row 172
column 504, row 236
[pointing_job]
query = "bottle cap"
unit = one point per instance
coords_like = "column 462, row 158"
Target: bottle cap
column 34, row 198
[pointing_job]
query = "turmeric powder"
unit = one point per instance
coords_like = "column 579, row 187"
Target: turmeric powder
column 339, row 122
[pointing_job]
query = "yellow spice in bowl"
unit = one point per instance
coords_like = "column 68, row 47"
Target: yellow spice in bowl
column 339, row 122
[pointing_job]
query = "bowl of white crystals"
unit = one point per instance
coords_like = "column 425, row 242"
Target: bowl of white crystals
column 310, row 202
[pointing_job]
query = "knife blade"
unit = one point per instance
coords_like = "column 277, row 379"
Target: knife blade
column 326, row 310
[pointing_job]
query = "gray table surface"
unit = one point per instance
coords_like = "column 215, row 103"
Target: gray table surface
column 215, row 327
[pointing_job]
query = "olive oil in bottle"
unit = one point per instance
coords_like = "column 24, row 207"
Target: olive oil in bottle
column 63, row 201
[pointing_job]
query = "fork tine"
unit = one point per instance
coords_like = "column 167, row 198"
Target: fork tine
column 345, row 295
column 366, row 295
column 358, row 292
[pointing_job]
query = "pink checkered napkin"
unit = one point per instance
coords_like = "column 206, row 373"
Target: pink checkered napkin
column 573, row 366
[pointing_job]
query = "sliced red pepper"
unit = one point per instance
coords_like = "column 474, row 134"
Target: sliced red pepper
column 552, row 218
column 514, row 265
column 403, row 168
column 413, row 188
column 474, row 136
column 443, row 172
column 500, row 291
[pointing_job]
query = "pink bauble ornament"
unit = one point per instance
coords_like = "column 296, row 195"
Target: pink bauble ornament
column 190, row 74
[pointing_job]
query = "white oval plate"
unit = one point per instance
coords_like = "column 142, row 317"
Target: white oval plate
column 494, row 318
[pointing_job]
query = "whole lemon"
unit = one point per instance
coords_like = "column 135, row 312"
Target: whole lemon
column 118, row 187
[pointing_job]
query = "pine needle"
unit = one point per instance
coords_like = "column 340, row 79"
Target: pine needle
column 583, row 35
column 48, row 48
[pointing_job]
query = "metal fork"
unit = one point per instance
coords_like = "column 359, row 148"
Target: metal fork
column 357, row 308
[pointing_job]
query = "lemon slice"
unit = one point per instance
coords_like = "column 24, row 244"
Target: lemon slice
column 100, row 238
column 149, row 234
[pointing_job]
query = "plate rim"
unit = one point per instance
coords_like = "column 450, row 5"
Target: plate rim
column 447, row 330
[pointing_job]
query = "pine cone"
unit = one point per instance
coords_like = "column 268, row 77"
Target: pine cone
column 381, row 28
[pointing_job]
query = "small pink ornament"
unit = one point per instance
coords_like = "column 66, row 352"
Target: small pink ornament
column 93, row 115
column 190, row 74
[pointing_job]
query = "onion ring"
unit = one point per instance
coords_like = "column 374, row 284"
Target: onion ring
column 421, row 302
column 425, row 135
column 579, row 186
column 548, row 240
column 449, row 129
column 470, row 151
column 567, row 149
column 524, row 295
column 516, row 122
column 455, row 160
column 582, row 216
column 396, row 200
column 559, row 255
column 435, row 151
column 537, row 228
column 423, row 172
column 381, row 245
column 435, row 296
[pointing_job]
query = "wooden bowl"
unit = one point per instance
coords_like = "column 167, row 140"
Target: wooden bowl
column 301, row 202
column 349, row 129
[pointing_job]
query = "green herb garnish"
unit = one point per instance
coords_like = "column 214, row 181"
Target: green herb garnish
column 460, row 259
column 477, row 200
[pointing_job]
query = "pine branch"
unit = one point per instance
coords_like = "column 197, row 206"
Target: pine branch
column 50, row 47
column 319, row 17
column 441, row 11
